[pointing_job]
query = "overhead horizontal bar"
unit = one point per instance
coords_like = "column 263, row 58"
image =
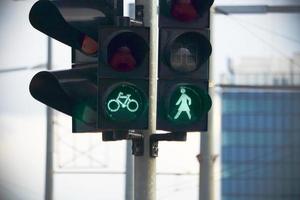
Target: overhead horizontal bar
column 256, row 9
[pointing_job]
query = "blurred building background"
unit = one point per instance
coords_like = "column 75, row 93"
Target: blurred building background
column 259, row 90
column 260, row 129
column 256, row 61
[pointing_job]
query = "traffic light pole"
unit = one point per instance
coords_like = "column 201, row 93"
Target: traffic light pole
column 145, row 166
column 129, row 172
column 210, row 163
column 49, row 137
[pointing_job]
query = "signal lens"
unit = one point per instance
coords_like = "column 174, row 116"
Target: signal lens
column 126, row 51
column 184, row 10
column 123, row 60
column 124, row 103
column 188, row 52
column 89, row 46
column 187, row 104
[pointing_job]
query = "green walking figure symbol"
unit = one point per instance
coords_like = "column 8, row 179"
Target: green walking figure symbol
column 185, row 102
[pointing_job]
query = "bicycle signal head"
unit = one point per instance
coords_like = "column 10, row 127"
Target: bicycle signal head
column 124, row 103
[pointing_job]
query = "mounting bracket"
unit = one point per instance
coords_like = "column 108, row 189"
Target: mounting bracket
column 136, row 137
column 172, row 136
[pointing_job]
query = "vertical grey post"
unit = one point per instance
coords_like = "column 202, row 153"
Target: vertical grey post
column 129, row 195
column 205, row 168
column 210, row 166
column 129, row 172
column 205, row 150
column 145, row 166
column 49, row 139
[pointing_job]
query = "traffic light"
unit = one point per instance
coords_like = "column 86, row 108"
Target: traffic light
column 123, row 78
column 74, row 23
column 184, row 51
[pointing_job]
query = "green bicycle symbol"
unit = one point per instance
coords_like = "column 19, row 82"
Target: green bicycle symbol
column 123, row 101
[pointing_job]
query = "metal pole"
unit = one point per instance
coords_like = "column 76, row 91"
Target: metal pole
column 211, row 146
column 129, row 172
column 49, row 137
column 210, row 162
column 145, row 166
column 205, row 168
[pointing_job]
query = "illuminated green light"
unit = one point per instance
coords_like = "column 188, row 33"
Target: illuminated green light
column 187, row 104
column 184, row 102
column 124, row 103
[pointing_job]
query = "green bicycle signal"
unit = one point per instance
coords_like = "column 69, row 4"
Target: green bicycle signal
column 124, row 103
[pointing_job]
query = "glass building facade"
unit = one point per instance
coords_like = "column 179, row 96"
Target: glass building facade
column 260, row 144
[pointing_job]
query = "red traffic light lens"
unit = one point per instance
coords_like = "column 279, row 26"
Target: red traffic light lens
column 184, row 10
column 122, row 59
column 89, row 46
column 126, row 51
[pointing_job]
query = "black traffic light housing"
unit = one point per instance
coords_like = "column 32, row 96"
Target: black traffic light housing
column 184, row 51
column 123, row 78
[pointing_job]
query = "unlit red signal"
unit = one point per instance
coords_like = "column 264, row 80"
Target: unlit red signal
column 184, row 10
column 123, row 60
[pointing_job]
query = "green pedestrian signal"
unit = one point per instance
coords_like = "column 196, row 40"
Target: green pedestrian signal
column 187, row 104
column 184, row 102
column 124, row 103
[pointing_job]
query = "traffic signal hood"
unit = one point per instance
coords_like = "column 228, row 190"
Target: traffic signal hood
column 74, row 23
column 73, row 92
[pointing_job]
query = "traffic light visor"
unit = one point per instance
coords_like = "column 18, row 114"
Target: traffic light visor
column 72, row 91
